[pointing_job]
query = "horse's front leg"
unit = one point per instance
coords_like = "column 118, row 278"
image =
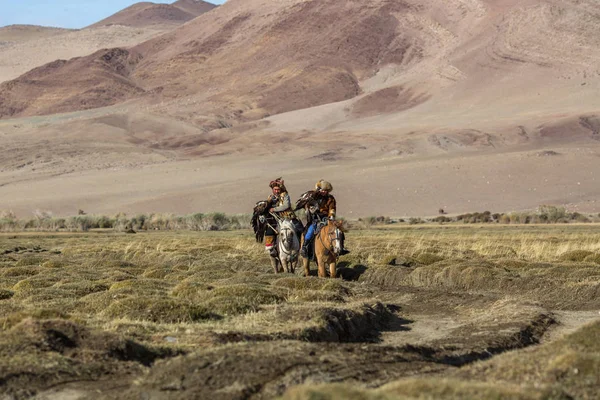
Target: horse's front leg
column 306, row 266
column 275, row 264
column 332, row 269
column 285, row 264
column 321, row 267
column 294, row 264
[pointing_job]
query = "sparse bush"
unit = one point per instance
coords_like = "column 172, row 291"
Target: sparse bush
column 504, row 219
column 552, row 214
column 80, row 223
column 105, row 223
column 367, row 222
column 577, row 217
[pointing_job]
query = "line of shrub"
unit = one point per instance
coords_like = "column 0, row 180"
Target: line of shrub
column 545, row 214
column 121, row 222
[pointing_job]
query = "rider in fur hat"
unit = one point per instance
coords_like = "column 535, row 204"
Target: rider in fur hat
column 319, row 205
column 280, row 204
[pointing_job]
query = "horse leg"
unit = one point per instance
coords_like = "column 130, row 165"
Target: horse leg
column 293, row 265
column 306, row 265
column 321, row 267
column 274, row 264
column 332, row 270
column 285, row 264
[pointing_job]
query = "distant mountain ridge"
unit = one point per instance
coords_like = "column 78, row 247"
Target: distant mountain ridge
column 145, row 14
column 398, row 61
column 21, row 33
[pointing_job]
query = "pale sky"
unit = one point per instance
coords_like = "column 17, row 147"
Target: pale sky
column 64, row 13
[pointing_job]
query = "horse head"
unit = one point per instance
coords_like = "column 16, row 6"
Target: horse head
column 287, row 233
column 334, row 234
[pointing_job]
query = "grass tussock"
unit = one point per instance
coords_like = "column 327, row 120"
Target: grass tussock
column 40, row 353
column 575, row 255
column 12, row 319
column 421, row 389
column 159, row 310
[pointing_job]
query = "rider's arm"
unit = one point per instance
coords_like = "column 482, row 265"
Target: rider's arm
column 286, row 205
column 331, row 204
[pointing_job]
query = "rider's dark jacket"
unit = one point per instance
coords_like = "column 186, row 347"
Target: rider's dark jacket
column 317, row 206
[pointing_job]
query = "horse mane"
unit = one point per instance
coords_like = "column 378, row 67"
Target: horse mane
column 340, row 225
column 287, row 222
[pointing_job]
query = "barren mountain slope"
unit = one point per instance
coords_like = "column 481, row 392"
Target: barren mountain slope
column 253, row 58
column 23, row 49
column 105, row 80
column 473, row 104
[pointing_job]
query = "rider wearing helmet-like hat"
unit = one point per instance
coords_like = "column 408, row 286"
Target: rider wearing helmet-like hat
column 320, row 205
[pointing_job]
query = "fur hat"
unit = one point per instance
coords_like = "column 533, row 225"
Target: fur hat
column 323, row 185
column 278, row 183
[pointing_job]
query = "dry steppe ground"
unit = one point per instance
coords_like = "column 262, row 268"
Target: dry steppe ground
column 446, row 312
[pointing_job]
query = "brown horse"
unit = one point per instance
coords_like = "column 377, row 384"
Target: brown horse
column 328, row 245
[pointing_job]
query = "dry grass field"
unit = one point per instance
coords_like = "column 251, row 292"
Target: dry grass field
column 445, row 312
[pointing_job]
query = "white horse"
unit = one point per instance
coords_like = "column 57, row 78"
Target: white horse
column 288, row 245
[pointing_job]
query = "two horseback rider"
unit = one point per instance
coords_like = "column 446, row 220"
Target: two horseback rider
column 320, row 205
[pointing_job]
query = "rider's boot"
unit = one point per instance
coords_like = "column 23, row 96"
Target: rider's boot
column 343, row 251
column 304, row 249
column 274, row 251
